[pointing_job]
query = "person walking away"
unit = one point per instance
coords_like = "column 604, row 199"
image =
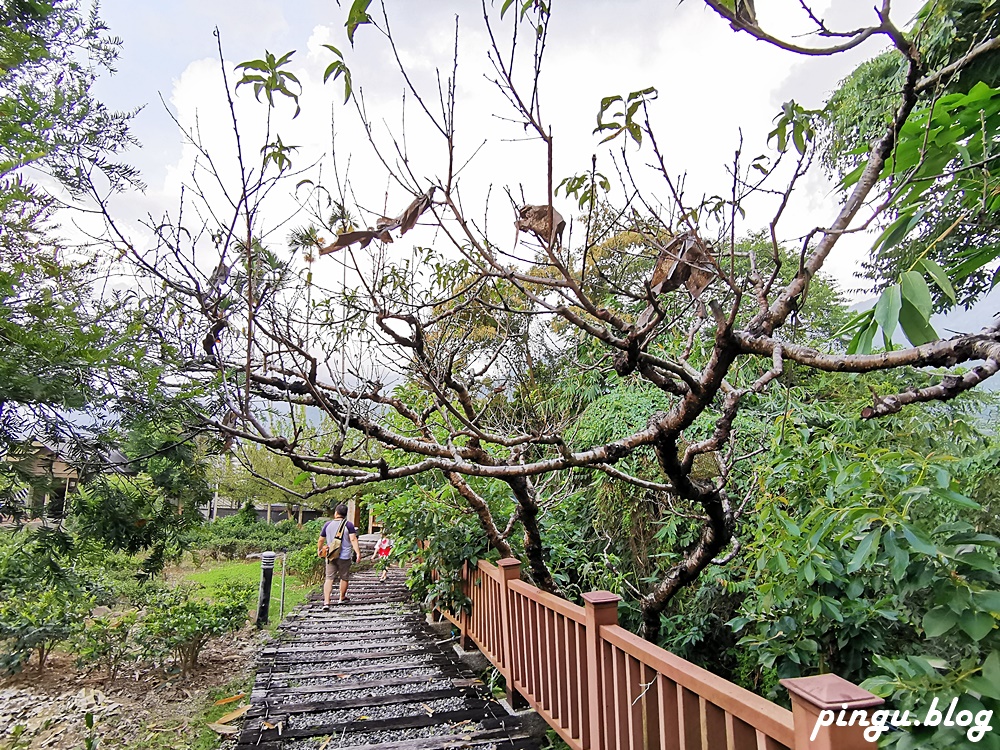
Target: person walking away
column 381, row 555
column 338, row 543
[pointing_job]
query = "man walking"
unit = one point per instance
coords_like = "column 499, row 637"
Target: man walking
column 335, row 543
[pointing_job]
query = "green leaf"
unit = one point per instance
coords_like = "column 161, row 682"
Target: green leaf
column 987, row 600
column 887, row 311
column 939, row 621
column 955, row 498
column 918, row 539
column 864, row 549
column 983, row 540
column 983, row 686
column 782, row 562
column 976, row 625
column 915, row 325
column 978, row 561
column 991, row 670
column 357, row 16
column 865, row 333
column 940, row 278
column 798, row 139
column 917, row 293
column 867, row 338
column 974, row 259
column 897, row 230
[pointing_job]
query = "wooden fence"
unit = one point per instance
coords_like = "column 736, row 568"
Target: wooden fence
column 600, row 686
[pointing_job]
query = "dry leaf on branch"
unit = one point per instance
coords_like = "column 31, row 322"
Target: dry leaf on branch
column 535, row 219
column 404, row 223
column 684, row 261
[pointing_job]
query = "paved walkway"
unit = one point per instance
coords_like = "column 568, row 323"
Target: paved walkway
column 370, row 674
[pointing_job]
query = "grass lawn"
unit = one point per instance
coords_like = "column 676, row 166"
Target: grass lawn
column 215, row 574
column 193, row 733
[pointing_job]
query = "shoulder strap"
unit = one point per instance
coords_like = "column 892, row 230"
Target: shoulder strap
column 339, row 536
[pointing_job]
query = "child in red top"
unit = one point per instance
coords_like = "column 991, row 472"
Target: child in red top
column 381, row 555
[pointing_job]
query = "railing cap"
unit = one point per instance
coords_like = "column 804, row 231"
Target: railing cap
column 829, row 691
column 508, row 562
column 601, row 598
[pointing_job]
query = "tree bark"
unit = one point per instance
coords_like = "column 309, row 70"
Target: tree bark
column 483, row 513
column 524, row 493
column 715, row 534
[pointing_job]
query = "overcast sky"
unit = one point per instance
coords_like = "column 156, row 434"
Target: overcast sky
column 713, row 84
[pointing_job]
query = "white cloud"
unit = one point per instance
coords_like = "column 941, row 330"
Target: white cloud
column 712, row 83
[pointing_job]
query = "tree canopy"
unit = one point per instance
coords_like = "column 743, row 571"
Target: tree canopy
column 467, row 359
column 639, row 388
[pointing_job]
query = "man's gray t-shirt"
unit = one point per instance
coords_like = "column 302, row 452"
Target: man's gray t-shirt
column 330, row 530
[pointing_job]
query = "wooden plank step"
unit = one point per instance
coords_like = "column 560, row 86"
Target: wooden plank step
column 440, row 661
column 322, row 648
column 353, row 656
column 355, row 685
column 474, row 714
column 502, row 739
column 364, row 701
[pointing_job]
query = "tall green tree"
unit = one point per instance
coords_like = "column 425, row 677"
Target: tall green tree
column 62, row 348
column 939, row 186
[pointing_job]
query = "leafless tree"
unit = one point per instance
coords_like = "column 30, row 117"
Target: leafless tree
column 429, row 362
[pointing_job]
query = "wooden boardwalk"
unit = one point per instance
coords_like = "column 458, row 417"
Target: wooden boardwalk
column 370, row 674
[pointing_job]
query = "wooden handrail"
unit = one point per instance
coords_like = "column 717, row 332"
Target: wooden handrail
column 599, row 686
column 549, row 601
column 770, row 718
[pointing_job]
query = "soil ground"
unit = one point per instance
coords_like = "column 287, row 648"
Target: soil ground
column 144, row 709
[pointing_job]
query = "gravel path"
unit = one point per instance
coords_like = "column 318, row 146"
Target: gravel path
column 315, row 691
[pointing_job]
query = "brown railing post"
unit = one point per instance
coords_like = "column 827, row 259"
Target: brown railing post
column 601, row 608
column 464, row 641
column 510, row 570
column 823, row 713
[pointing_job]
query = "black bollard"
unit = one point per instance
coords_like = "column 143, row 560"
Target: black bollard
column 264, row 598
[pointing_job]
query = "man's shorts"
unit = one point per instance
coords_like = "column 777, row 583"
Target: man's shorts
column 338, row 570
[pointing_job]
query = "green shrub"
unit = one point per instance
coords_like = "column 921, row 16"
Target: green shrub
column 42, row 600
column 178, row 624
column 35, row 622
column 305, row 565
column 108, row 643
column 236, row 536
